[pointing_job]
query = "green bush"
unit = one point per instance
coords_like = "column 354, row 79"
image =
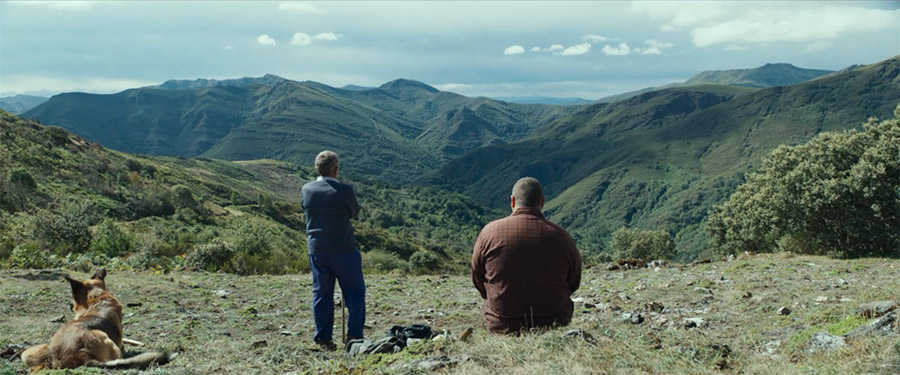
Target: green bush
column 65, row 231
column 111, row 240
column 838, row 195
column 151, row 251
column 424, row 260
column 381, row 261
column 210, row 256
column 31, row 255
column 643, row 244
column 20, row 177
column 183, row 197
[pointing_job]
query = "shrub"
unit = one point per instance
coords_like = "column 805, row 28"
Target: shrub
column 21, row 178
column 111, row 240
column 58, row 135
column 210, row 256
column 381, row 261
column 31, row 255
column 424, row 260
column 133, row 165
column 66, row 231
column 151, row 251
column 153, row 203
column 183, row 197
column 643, row 244
column 838, row 194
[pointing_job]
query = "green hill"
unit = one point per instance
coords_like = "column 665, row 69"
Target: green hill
column 662, row 159
column 20, row 103
column 768, row 75
column 68, row 202
column 409, row 128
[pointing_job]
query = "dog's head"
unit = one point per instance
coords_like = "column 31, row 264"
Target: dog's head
column 85, row 293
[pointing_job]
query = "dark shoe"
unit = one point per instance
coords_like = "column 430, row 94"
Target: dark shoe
column 327, row 345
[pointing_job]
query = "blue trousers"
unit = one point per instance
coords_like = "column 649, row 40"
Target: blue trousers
column 347, row 269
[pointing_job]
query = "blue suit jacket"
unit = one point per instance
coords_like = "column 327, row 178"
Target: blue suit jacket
column 328, row 206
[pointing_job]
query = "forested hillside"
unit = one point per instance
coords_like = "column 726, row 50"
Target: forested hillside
column 67, row 201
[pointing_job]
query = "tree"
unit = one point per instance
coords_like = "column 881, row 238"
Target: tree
column 643, row 244
column 838, row 195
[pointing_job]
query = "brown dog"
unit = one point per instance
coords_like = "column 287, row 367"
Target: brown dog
column 93, row 338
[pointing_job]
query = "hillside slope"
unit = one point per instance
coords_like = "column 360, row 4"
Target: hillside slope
column 662, row 159
column 54, row 186
column 271, row 117
column 718, row 318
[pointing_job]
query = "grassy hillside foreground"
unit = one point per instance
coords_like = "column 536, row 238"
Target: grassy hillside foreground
column 226, row 324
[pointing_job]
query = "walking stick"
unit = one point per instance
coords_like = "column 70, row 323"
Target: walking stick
column 343, row 319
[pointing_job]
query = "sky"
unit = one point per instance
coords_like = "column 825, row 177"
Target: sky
column 587, row 49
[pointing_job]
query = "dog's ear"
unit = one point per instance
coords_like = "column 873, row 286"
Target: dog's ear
column 79, row 292
column 100, row 274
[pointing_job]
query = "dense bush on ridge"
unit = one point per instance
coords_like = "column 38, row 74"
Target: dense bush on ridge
column 838, row 195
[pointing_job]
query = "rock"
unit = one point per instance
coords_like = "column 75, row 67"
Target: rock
column 660, row 321
column 286, row 333
column 587, row 337
column 259, row 344
column 59, row 319
column 703, row 290
column 747, row 295
column 876, row 309
column 824, row 342
column 624, row 297
column 589, row 305
column 612, row 267
column 821, row 299
column 882, row 326
column 608, row 307
column 783, row 310
column 222, row 293
column 633, row 318
column 654, row 306
column 689, row 323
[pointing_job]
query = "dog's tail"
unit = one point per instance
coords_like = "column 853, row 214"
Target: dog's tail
column 140, row 361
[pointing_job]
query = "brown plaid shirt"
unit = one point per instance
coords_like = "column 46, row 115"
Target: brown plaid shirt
column 525, row 267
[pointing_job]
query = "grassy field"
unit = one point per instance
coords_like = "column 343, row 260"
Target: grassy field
column 227, row 324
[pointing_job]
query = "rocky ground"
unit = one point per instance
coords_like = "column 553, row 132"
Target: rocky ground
column 765, row 314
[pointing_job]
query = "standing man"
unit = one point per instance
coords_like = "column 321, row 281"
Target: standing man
column 328, row 206
column 525, row 267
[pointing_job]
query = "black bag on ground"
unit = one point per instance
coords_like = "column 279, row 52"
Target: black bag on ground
column 415, row 331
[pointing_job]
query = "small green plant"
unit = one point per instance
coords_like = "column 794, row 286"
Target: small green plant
column 111, row 240
column 381, row 261
column 424, row 260
column 31, row 255
column 210, row 256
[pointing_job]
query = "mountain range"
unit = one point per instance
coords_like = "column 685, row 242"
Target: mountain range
column 768, row 75
column 20, row 103
column 657, row 160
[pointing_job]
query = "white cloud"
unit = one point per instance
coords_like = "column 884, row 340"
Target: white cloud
column 64, row 5
column 595, row 38
column 304, row 39
column 578, row 49
column 293, row 6
column 228, row 47
column 556, row 47
column 301, row 39
column 265, row 40
column 622, row 50
column 655, row 47
column 514, row 50
column 711, row 23
column 736, row 47
column 535, row 49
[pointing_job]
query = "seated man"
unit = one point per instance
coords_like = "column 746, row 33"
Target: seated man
column 525, row 267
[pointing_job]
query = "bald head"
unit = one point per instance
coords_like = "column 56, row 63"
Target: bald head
column 527, row 192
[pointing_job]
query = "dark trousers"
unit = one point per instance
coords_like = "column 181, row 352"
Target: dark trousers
column 347, row 269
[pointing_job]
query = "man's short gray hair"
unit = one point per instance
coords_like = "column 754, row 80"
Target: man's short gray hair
column 325, row 163
column 528, row 192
